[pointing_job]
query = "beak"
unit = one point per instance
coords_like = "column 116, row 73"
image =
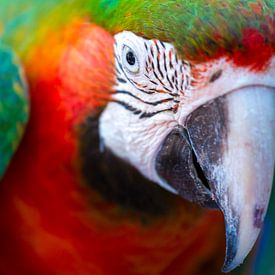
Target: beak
column 223, row 156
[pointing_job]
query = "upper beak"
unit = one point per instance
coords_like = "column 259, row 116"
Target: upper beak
column 224, row 156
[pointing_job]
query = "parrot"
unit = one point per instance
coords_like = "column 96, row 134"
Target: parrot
column 137, row 137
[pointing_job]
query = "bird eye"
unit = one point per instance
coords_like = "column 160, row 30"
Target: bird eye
column 130, row 60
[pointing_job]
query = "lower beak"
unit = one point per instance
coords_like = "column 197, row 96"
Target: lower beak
column 224, row 156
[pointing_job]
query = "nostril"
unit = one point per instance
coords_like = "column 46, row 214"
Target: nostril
column 215, row 76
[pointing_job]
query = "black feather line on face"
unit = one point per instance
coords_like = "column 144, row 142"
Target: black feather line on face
column 153, row 103
column 151, row 114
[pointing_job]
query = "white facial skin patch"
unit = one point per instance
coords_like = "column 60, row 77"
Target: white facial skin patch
column 151, row 81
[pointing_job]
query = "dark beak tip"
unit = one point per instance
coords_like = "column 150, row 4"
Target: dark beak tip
column 231, row 250
column 229, row 265
column 227, row 268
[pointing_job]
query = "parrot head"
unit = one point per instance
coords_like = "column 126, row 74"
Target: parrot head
column 192, row 107
column 171, row 94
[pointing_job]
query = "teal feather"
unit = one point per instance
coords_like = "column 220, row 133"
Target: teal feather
column 14, row 106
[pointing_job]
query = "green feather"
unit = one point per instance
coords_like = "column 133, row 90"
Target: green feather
column 192, row 26
column 14, row 107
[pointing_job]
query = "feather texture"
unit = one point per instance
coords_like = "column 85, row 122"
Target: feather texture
column 13, row 106
column 199, row 29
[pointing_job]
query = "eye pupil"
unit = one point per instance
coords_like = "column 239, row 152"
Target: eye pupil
column 130, row 57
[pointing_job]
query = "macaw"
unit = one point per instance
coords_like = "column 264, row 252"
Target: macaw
column 121, row 121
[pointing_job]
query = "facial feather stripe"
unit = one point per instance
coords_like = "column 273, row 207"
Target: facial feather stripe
column 154, row 81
